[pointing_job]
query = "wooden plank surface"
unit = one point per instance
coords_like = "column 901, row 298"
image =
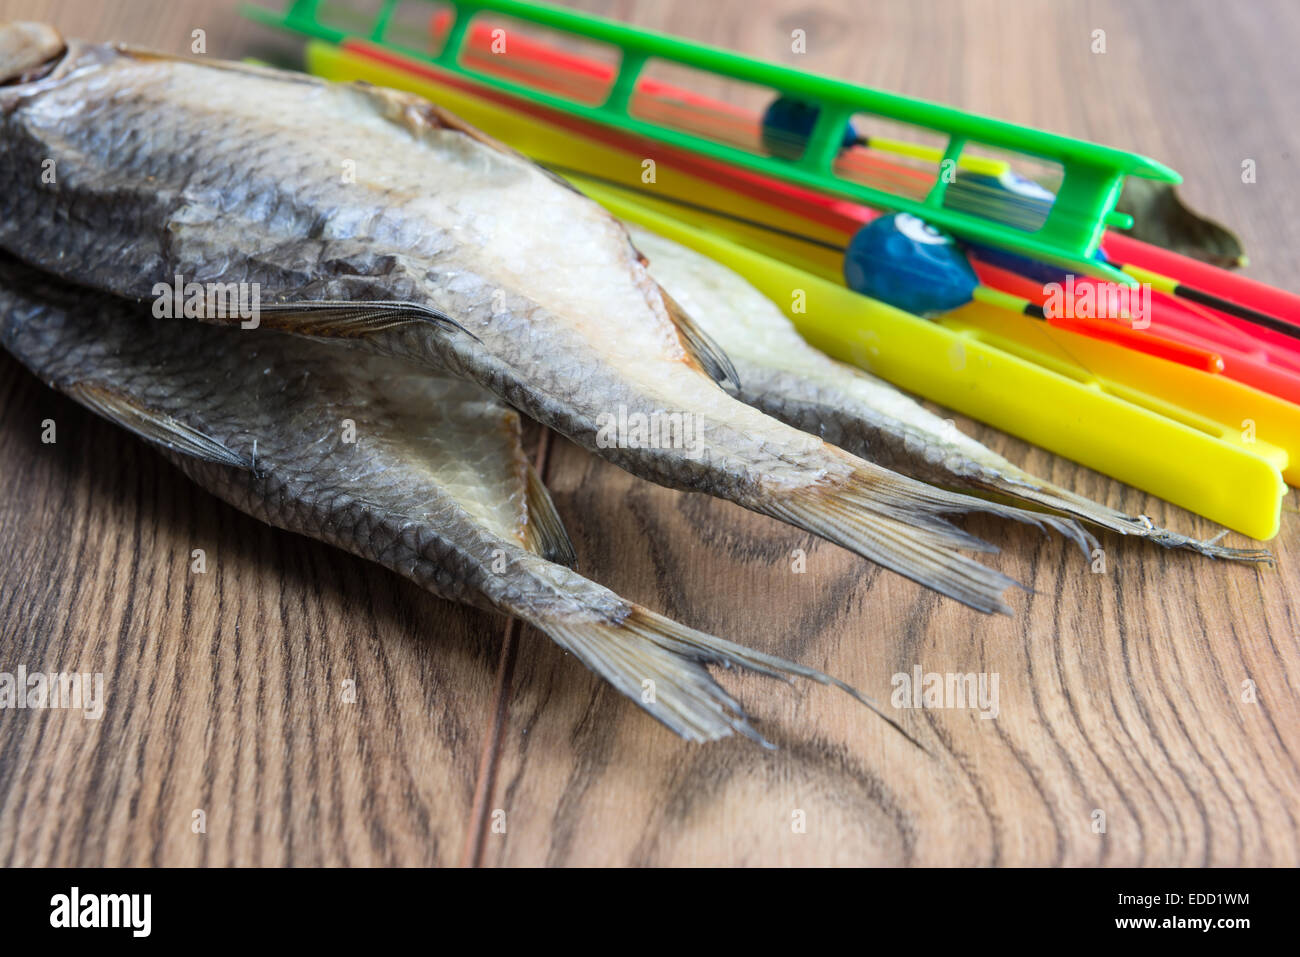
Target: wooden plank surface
column 1119, row 693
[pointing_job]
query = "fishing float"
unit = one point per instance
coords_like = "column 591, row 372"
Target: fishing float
column 909, row 264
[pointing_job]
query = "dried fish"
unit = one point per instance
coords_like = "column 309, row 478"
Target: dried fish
column 373, row 216
column 436, row 485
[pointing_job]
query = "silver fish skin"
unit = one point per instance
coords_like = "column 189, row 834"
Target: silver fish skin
column 781, row 374
column 487, row 267
column 435, row 487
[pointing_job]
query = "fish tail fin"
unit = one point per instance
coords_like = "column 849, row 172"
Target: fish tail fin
column 901, row 523
column 661, row 665
column 1046, row 495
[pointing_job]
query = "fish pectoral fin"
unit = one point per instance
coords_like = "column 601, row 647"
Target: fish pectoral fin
column 156, row 427
column 701, row 347
column 544, row 534
column 348, row 319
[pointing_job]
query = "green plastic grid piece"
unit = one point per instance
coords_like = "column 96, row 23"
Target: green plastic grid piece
column 1093, row 175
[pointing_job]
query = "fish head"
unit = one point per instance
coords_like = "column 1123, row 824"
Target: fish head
column 28, row 50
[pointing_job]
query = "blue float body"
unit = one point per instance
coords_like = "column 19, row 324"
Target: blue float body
column 901, row 261
column 788, row 123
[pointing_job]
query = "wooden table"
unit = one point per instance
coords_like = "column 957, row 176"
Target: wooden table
column 473, row 741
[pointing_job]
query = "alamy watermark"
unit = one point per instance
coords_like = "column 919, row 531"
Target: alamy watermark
column 649, row 430
column 39, row 690
column 213, row 300
column 1096, row 299
column 935, row 690
column 75, row 909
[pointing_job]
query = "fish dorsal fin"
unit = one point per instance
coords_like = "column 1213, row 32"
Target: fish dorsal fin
column 700, row 345
column 544, row 534
column 415, row 113
column 419, row 111
column 156, row 427
column 347, row 319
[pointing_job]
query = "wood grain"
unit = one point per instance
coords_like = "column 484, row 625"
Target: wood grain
column 1119, row 692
